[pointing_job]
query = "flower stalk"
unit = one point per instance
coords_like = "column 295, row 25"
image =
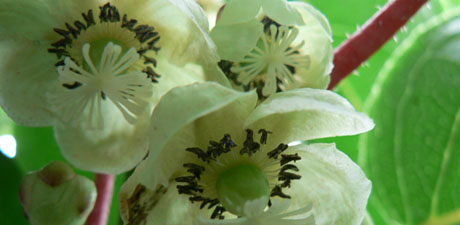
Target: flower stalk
column 371, row 37
column 100, row 213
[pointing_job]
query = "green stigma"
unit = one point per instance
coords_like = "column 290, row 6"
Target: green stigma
column 240, row 184
column 97, row 48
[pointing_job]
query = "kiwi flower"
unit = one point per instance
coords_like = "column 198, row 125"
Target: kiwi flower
column 94, row 69
column 273, row 45
column 216, row 158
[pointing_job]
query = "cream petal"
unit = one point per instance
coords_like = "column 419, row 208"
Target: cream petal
column 31, row 19
column 159, row 206
column 115, row 148
column 234, row 41
column 67, row 11
column 191, row 116
column 181, row 24
column 318, row 45
column 27, row 74
column 305, row 114
column 282, row 12
column 239, row 11
column 332, row 182
column 174, row 76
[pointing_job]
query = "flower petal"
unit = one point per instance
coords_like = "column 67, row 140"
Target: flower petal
column 282, row 12
column 27, row 73
column 160, row 206
column 191, row 116
column 318, row 45
column 332, row 182
column 239, row 11
column 113, row 149
column 181, row 24
column 305, row 114
column 32, row 19
column 234, row 41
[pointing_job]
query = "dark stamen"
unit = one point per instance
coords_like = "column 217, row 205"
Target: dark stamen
column 141, row 29
column 72, row 30
column 151, row 74
column 89, row 18
column 129, row 24
column 63, row 33
column 103, row 96
column 62, row 43
column 152, row 43
column 196, row 199
column 288, row 176
column 277, row 191
column 194, row 169
column 215, row 149
column 264, row 136
column 186, row 179
column 249, row 146
column 286, row 158
column 289, row 167
column 267, row 22
column 150, row 60
column 227, row 142
column 211, row 202
column 199, row 153
column 79, row 25
column 217, row 213
column 147, row 36
column 189, row 189
column 72, row 86
column 277, row 151
column 142, row 51
column 59, row 52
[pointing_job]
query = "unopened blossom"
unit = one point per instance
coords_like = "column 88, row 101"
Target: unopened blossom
column 94, row 69
column 273, row 45
column 56, row 195
column 216, row 158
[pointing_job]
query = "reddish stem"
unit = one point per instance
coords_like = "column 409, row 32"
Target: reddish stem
column 375, row 33
column 100, row 213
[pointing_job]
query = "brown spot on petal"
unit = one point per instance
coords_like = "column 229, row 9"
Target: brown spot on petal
column 141, row 202
column 56, row 173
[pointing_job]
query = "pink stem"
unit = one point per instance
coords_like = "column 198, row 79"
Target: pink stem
column 375, row 33
column 100, row 213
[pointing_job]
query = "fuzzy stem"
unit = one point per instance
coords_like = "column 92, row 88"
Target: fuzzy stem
column 371, row 37
column 100, row 213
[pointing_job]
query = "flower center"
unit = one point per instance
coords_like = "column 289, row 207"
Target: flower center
column 272, row 65
column 240, row 184
column 230, row 179
column 84, row 90
column 105, row 58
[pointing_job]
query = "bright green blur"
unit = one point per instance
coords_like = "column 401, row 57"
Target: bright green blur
column 240, row 184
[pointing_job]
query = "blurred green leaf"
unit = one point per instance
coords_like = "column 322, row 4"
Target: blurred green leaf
column 412, row 154
column 10, row 207
column 36, row 147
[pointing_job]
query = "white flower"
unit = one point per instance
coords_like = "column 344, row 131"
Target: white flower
column 94, row 69
column 215, row 155
column 273, row 45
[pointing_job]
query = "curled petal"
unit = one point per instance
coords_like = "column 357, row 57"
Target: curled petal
column 332, row 182
column 305, row 114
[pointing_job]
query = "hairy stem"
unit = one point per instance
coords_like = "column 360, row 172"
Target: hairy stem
column 100, row 213
column 373, row 35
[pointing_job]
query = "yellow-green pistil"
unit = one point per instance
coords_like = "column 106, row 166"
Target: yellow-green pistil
column 240, row 184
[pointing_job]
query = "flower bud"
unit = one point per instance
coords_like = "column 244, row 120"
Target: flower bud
column 55, row 195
